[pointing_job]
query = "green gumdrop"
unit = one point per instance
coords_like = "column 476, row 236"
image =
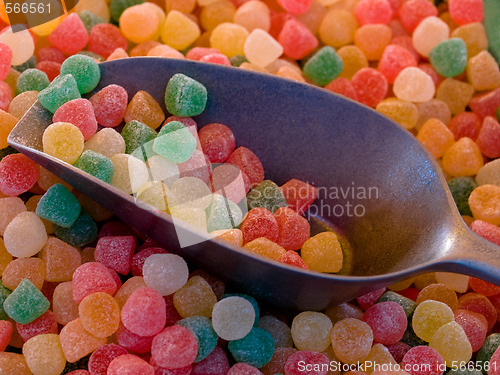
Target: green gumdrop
column 26, row 303
column 4, row 293
column 84, row 70
column 255, row 349
column 89, row 19
column 61, row 90
column 117, row 7
column 32, row 80
column 59, row 206
column 96, row 164
column 175, row 142
column 136, row 134
column 324, row 66
column 461, row 187
column 449, row 58
column 267, row 195
column 201, row 327
column 410, row 338
column 81, row 233
column 407, row 304
column 237, row 60
column 28, row 64
column 489, row 347
column 223, row 214
column 184, row 96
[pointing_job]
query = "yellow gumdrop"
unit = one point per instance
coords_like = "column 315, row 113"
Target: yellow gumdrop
column 401, row 285
column 139, row 23
column 179, row 31
column 429, row 316
column 474, row 36
column 163, row 50
column 353, row 58
column 484, row 202
column 253, row 15
column 265, row 247
column 482, row 72
column 229, row 38
column 455, row 93
column 44, row 355
column 99, row 314
column 98, row 7
column 424, row 280
column 459, row 283
column 337, row 28
column 216, row 13
column 436, row 137
column 46, row 28
column 63, row 141
column 195, row 298
column 323, row 253
column 379, row 355
column 7, row 123
column 463, row 158
column 452, row 343
column 403, row 112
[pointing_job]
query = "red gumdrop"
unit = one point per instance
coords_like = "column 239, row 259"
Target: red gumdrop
column 388, row 322
column 144, row 313
column 6, row 329
column 70, row 36
column 465, row 124
column 90, row 278
column 243, row 369
column 259, row 222
column 411, row 293
column 101, row 358
column 423, row 360
column 42, row 325
column 296, row 39
column 48, row 288
column 139, row 258
column 51, row 68
column 371, row 86
column 80, row 113
column 299, row 195
column 216, row 58
column 5, row 60
column 249, row 164
column 368, row 300
column 278, row 20
column 228, row 181
column 293, row 229
column 18, row 174
column 215, row 364
column 488, row 139
column 130, row 364
column 483, row 287
column 174, row 347
column 495, row 363
column 116, row 277
column 50, row 53
column 110, row 104
column 6, row 96
column 131, row 341
column 197, row 53
column 474, row 325
column 406, row 42
column 466, row 11
column 293, row 259
column 171, row 313
column 342, row 86
column 315, row 359
column 479, row 304
column 398, row 350
column 78, row 372
column 486, row 230
column 187, row 121
column 412, row 12
column 373, row 11
column 114, row 228
column 427, row 68
column 115, row 252
column 105, row 38
column 217, row 142
column 295, row 6
column 486, row 103
column 198, row 166
column 394, row 59
column 166, row 371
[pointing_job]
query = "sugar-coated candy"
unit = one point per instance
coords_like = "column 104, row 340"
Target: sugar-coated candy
column 383, row 315
column 96, row 164
column 278, row 329
column 196, row 297
column 8, row 122
column 311, row 331
column 489, row 347
column 452, row 343
column 261, row 48
column 32, row 80
column 61, row 260
column 266, row 195
column 466, row 12
column 249, row 164
column 59, row 206
column 429, row 33
column 299, row 195
column 421, row 89
column 318, row 363
column 215, row 364
column 45, row 324
column 4, row 293
column 323, row 252
column 44, row 354
column 129, row 364
column 99, row 314
column 226, row 180
column 479, row 304
column 105, row 38
column 176, row 20
column 6, row 328
column 32, row 269
column 367, row 300
column 323, row 66
column 394, row 59
column 436, row 137
column 406, row 303
column 185, row 96
column 21, row 103
column 18, row 174
column 101, row 358
column 133, row 342
column 474, row 325
column 439, row 292
column 343, row 311
column 418, row 356
column 449, row 57
column 107, row 142
column 370, row 85
column 487, row 139
column 201, row 327
column 13, row 364
column 63, row 141
column 175, row 142
column 6, row 258
column 456, row 164
column 482, row 72
column 139, row 258
column 5, row 62
column 115, row 252
column 223, row 214
column 414, row 11
column 265, row 247
column 243, row 369
column 351, row 340
column 233, row 318
column 297, row 40
column 293, row 229
column 16, row 307
column 91, row 278
column 84, row 70
column 372, row 39
column 64, row 307
column 82, row 232
column 174, row 347
column 217, row 141
column 70, row 36
column 129, row 173
column 110, row 104
column 255, row 349
column 145, row 109
column 144, row 312
column 61, row 90
column 465, row 124
column 136, row 15
column 76, row 342
column 166, row 273
column 15, row 239
column 80, row 113
column 483, row 202
column 137, row 134
column 429, row 316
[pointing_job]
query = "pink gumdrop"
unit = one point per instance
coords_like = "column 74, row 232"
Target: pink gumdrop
column 129, row 364
column 115, row 252
column 216, row 58
column 215, row 364
column 259, row 222
column 398, row 350
column 6, row 96
column 315, row 359
column 174, row 347
column 80, row 113
column 495, row 363
column 50, row 53
column 388, row 322
column 278, row 20
column 299, row 195
column 465, row 124
column 296, row 6
column 5, row 60
column 249, row 164
column 394, row 59
column 488, row 139
column 198, row 165
column 172, row 315
column 293, row 229
column 197, row 53
column 466, row 11
column 105, row 38
column 412, row 12
column 474, row 325
column 187, row 121
column 485, row 103
column 51, row 68
column 110, row 104
column 423, row 360
column 40, row 326
column 144, row 313
column 6, row 329
column 115, row 276
column 243, row 369
column 371, row 86
column 296, row 39
column 368, row 300
column 292, row 258
column 90, row 278
column 486, row 230
column 173, row 371
column 70, row 36
column 229, row 181
column 131, row 341
column 101, row 358
column 18, row 174
column 373, row 11
column 342, row 86
column 407, row 42
column 217, row 142
column 139, row 258
column 114, row 228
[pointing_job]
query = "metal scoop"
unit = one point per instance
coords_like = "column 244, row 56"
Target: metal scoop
column 378, row 186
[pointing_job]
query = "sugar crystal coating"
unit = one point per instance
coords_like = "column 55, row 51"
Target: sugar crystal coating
column 84, row 70
column 166, row 273
column 233, row 318
column 185, row 96
column 144, row 312
column 174, row 347
column 15, row 239
column 25, row 303
column 61, row 90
